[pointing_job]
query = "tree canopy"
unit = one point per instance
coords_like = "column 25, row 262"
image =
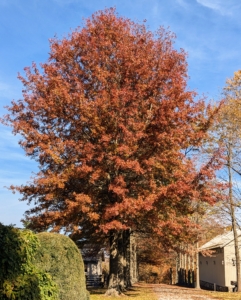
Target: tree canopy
column 109, row 119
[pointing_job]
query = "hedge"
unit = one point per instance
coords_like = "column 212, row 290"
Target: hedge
column 59, row 256
column 20, row 279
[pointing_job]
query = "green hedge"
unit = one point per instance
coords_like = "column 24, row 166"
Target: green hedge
column 20, row 279
column 59, row 256
column 45, row 266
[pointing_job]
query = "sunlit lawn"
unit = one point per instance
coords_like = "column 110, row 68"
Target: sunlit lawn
column 225, row 296
column 147, row 292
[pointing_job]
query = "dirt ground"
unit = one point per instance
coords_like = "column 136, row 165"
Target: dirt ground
column 172, row 292
column 166, row 292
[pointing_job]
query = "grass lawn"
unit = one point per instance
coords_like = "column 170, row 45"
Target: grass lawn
column 161, row 292
column 136, row 292
column 225, row 296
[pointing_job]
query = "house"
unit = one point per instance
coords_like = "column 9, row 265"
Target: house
column 218, row 270
column 94, row 261
column 93, row 266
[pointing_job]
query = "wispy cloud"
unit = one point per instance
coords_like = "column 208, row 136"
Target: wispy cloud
column 8, row 138
column 65, row 2
column 16, row 179
column 182, row 3
column 9, row 90
column 6, row 90
column 220, row 6
column 16, row 167
column 155, row 9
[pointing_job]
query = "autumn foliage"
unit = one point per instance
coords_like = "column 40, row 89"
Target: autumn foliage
column 109, row 119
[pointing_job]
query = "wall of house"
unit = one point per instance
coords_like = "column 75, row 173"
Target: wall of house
column 211, row 269
column 93, row 268
column 230, row 264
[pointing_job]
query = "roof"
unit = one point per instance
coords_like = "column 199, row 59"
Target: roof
column 220, row 241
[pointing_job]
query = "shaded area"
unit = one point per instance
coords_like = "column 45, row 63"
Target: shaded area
column 135, row 292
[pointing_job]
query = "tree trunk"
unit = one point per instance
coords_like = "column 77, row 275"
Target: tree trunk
column 113, row 285
column 127, row 256
column 121, row 261
column 119, row 277
column 233, row 218
column 197, row 285
column 133, row 260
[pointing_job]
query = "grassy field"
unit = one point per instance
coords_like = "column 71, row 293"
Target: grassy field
column 136, row 292
column 162, row 292
column 225, row 296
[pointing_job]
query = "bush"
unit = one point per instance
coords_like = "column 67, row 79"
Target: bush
column 20, row 279
column 59, row 256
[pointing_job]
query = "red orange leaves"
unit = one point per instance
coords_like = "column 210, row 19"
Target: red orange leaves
column 108, row 118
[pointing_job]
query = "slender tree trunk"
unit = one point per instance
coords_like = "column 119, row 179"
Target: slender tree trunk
column 127, row 277
column 133, row 260
column 178, row 269
column 233, row 218
column 197, row 281
column 121, row 261
column 197, row 285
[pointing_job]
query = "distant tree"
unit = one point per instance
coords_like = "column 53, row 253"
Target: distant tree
column 227, row 135
column 109, row 119
column 153, row 257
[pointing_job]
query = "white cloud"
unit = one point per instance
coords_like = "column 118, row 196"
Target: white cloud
column 220, row 6
column 212, row 4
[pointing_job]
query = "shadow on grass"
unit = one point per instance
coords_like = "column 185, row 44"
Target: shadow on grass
column 96, row 291
column 132, row 292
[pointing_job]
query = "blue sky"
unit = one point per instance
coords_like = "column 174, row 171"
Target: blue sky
column 209, row 30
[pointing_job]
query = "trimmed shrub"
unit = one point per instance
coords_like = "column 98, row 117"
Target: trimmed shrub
column 19, row 277
column 59, row 256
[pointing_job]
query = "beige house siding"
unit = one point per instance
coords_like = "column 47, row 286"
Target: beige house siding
column 212, row 268
column 230, row 268
column 220, row 268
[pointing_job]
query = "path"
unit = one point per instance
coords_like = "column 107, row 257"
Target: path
column 173, row 292
column 166, row 292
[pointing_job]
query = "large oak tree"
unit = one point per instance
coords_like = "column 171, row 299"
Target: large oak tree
column 109, row 118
